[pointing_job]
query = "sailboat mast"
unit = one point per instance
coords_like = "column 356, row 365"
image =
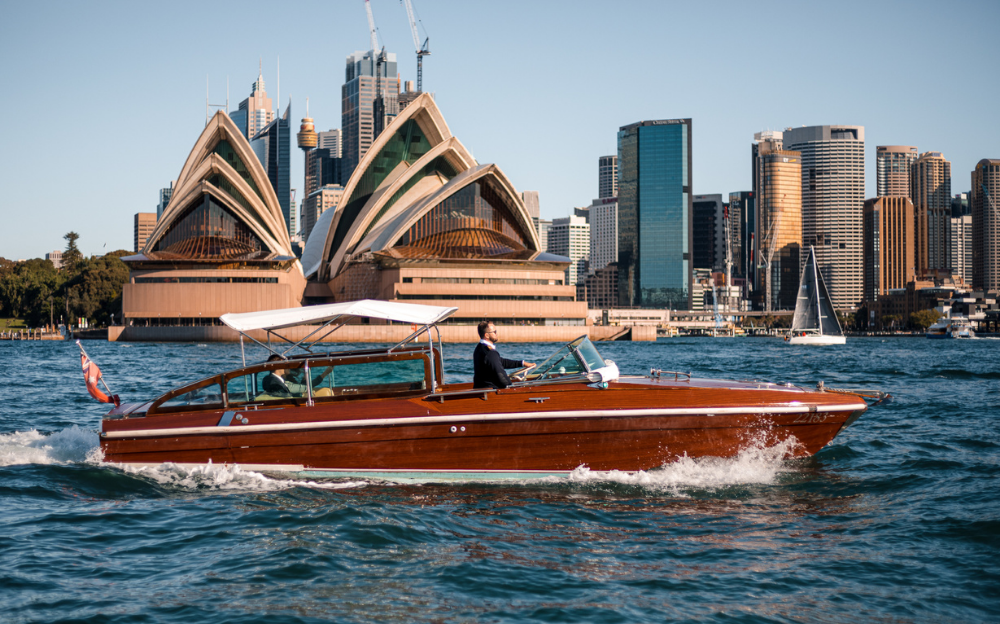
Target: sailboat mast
column 819, row 307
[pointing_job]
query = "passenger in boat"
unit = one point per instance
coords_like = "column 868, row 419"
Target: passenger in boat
column 487, row 365
column 275, row 384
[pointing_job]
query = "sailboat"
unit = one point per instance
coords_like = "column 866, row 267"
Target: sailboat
column 815, row 321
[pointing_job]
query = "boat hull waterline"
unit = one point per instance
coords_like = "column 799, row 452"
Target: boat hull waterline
column 516, row 433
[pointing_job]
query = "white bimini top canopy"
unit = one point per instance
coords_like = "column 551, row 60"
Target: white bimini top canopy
column 271, row 320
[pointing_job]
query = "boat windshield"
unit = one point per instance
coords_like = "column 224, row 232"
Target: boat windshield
column 578, row 357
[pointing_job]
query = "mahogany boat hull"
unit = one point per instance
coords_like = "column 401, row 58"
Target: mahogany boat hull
column 631, row 425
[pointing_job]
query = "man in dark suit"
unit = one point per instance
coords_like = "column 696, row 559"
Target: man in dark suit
column 487, row 365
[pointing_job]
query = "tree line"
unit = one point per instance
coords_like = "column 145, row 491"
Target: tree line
column 39, row 293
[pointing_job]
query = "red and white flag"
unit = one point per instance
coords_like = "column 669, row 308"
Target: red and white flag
column 91, row 376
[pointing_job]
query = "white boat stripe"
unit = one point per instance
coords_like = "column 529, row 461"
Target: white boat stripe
column 467, row 418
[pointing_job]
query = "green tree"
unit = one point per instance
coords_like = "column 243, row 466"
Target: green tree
column 95, row 292
column 72, row 256
column 924, row 319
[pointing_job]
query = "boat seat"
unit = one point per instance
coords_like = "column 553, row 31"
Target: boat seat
column 323, row 392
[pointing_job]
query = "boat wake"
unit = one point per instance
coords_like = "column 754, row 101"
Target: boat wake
column 71, row 445
column 74, row 445
column 755, row 465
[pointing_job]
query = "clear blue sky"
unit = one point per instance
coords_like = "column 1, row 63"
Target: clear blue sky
column 104, row 100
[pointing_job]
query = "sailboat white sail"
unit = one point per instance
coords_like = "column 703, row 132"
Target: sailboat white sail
column 815, row 321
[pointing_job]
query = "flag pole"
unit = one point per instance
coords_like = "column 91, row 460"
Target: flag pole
column 89, row 358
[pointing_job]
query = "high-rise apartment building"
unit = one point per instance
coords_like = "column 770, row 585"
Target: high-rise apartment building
column 607, row 177
column 654, row 214
column 892, row 169
column 833, row 197
column 256, row 111
column 985, row 206
column 570, row 237
column 743, row 228
column 889, row 245
column 144, row 223
column 603, row 233
column 930, row 190
column 960, row 247
column 779, row 224
column 272, row 145
column 358, row 102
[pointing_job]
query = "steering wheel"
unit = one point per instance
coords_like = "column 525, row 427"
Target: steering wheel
column 521, row 374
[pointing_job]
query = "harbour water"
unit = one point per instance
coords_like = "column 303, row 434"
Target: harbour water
column 898, row 520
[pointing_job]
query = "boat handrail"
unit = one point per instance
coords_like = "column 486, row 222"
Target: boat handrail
column 656, row 373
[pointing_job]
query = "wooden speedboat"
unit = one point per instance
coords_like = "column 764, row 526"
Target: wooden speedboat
column 386, row 413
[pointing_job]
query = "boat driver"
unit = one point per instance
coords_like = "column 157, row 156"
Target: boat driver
column 487, row 365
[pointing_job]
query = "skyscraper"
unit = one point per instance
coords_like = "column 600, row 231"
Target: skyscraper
column 709, row 238
column 570, row 237
column 165, row 194
column 603, row 233
column 960, row 247
column 930, row 190
column 607, row 176
column 985, row 206
column 531, row 204
column 779, row 224
column 892, row 169
column 889, row 245
column 272, row 145
column 357, row 102
column 654, row 214
column 256, row 111
column 833, row 197
column 144, row 224
column 743, row 215
column 331, row 140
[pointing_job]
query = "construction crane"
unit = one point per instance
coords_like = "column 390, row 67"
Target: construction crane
column 371, row 28
column 423, row 50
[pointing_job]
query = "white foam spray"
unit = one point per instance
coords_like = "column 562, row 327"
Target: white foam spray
column 81, row 446
column 755, row 465
column 225, row 477
column 72, row 445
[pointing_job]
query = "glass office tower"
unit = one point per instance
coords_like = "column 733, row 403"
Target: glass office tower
column 654, row 214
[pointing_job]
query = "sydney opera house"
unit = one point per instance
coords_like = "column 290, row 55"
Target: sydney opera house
column 419, row 221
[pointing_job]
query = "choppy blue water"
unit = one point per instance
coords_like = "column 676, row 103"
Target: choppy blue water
column 897, row 521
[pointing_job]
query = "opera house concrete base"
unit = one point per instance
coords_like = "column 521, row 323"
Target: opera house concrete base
column 383, row 333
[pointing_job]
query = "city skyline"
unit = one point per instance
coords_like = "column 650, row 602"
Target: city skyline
column 123, row 82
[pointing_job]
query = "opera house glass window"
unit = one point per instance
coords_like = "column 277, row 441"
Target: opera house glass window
column 224, row 149
column 206, row 230
column 408, row 144
column 475, row 222
column 439, row 166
